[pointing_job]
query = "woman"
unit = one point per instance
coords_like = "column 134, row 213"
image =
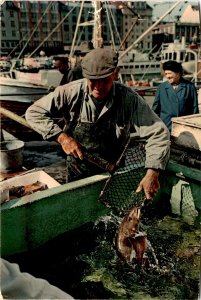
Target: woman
column 175, row 97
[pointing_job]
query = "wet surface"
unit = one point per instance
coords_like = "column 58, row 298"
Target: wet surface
column 46, row 156
column 86, row 264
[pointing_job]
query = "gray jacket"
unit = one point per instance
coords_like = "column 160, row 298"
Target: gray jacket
column 130, row 113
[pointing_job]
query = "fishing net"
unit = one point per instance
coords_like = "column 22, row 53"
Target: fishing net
column 187, row 205
column 182, row 201
column 119, row 190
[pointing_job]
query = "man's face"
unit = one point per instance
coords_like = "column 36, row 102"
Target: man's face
column 60, row 66
column 172, row 77
column 99, row 88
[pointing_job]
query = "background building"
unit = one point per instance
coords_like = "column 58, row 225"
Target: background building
column 10, row 31
column 27, row 27
column 182, row 22
column 144, row 13
column 50, row 25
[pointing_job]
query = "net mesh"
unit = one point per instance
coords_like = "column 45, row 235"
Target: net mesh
column 187, row 205
column 119, row 190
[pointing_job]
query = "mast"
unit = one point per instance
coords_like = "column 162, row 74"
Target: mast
column 76, row 30
column 97, row 34
column 199, row 5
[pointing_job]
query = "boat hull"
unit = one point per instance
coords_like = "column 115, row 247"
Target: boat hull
column 33, row 220
column 15, row 90
column 16, row 97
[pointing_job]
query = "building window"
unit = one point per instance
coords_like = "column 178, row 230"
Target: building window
column 54, row 17
column 13, row 33
column 23, row 15
column 44, row 5
column 3, row 33
column 24, row 24
column 54, row 6
column 22, row 4
column 12, row 23
column 66, row 36
column 34, row 15
column 34, row 5
column 66, row 27
column 11, row 13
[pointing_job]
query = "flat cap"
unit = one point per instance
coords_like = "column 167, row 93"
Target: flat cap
column 173, row 66
column 99, row 63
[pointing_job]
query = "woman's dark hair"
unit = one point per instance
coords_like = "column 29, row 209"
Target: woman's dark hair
column 173, row 66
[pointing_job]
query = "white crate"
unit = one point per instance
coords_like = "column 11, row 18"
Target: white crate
column 186, row 131
column 26, row 179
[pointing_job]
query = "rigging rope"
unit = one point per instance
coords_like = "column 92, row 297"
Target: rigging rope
column 41, row 18
column 53, row 30
column 111, row 31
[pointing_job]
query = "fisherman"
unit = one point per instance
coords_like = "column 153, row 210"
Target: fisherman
column 99, row 114
column 62, row 64
column 175, row 97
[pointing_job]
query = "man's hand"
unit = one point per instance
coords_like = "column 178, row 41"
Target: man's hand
column 149, row 184
column 70, row 145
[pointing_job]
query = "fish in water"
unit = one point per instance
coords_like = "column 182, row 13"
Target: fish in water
column 130, row 243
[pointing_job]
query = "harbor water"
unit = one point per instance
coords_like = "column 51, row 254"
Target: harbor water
column 85, row 262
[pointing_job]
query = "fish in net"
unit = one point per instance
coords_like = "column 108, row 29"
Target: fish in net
column 119, row 193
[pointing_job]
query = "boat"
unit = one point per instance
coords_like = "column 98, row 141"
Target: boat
column 14, row 90
column 15, row 98
column 56, row 211
column 137, row 69
column 37, row 221
column 143, row 72
column 32, row 220
column 5, row 64
column 45, row 77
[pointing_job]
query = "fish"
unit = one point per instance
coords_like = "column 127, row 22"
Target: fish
column 24, row 190
column 129, row 242
column 139, row 244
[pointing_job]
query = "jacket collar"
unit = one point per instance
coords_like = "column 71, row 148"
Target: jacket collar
column 180, row 86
